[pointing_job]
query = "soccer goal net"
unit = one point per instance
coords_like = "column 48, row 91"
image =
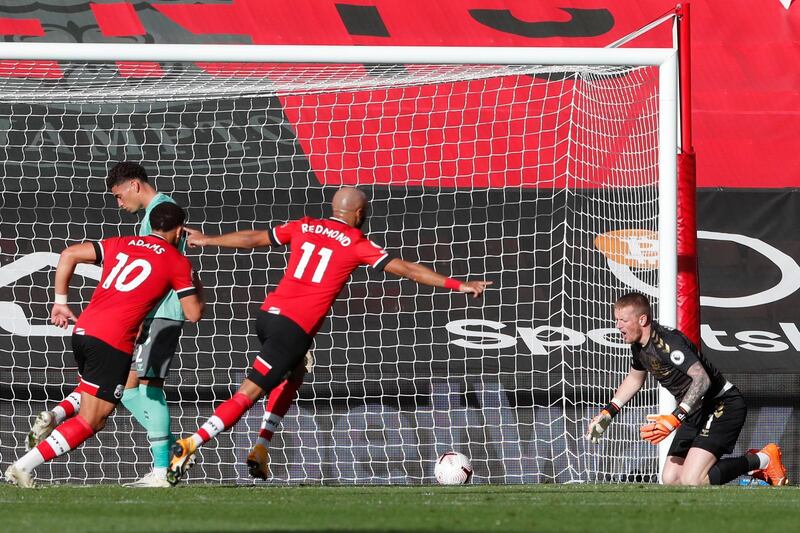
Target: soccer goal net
column 551, row 175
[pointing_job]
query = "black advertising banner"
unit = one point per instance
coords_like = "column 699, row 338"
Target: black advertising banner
column 748, row 274
column 749, row 248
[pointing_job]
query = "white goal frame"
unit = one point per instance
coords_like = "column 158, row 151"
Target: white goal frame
column 666, row 59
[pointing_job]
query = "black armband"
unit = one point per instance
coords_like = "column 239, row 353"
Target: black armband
column 98, row 253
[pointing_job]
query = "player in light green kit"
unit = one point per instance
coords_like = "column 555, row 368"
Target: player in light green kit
column 156, row 346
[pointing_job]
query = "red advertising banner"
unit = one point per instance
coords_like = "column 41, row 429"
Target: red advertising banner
column 744, row 96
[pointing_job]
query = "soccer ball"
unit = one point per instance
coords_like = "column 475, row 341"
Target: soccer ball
column 453, row 468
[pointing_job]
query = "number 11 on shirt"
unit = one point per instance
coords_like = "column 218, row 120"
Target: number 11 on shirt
column 308, row 250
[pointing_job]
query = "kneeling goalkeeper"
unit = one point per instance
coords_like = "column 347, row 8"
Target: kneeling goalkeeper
column 710, row 412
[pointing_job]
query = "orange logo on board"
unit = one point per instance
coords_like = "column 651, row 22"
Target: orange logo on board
column 636, row 248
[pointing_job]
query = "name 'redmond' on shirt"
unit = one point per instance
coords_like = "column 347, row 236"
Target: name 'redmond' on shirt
column 323, row 254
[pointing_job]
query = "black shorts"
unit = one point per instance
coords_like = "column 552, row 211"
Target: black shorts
column 715, row 427
column 103, row 368
column 156, row 347
column 283, row 346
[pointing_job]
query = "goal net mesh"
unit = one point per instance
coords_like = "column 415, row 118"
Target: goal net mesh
column 542, row 180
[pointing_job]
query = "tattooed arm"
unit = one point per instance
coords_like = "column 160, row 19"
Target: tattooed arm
column 699, row 386
column 661, row 426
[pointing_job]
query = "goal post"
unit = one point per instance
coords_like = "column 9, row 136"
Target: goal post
column 549, row 171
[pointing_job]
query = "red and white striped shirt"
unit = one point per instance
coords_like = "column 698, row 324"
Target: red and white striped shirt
column 324, row 252
column 137, row 273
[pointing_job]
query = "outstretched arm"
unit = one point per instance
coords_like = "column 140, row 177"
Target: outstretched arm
column 632, row 384
column 61, row 315
column 426, row 276
column 237, row 239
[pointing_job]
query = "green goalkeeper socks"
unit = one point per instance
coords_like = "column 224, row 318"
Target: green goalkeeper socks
column 155, row 419
column 130, row 399
column 148, row 405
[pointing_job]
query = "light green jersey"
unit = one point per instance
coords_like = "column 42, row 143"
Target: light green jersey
column 170, row 306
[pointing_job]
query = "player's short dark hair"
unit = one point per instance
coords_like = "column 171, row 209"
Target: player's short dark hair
column 167, row 216
column 124, row 171
column 639, row 302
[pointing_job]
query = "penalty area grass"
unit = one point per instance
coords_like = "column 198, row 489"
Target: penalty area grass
column 473, row 508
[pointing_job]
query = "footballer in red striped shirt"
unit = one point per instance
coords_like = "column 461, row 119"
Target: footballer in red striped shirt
column 137, row 273
column 323, row 255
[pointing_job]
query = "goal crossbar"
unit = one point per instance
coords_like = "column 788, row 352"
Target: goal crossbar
column 336, row 54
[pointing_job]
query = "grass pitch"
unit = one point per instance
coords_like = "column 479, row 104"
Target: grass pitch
column 477, row 508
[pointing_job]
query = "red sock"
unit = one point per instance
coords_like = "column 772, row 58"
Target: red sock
column 225, row 416
column 232, row 410
column 70, row 403
column 281, row 397
column 67, row 407
column 277, row 405
column 65, row 437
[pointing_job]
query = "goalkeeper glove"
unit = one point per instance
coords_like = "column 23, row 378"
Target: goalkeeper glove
column 659, row 428
column 598, row 425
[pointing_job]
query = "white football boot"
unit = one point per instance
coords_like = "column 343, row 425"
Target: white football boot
column 152, row 479
column 44, row 424
column 19, row 477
